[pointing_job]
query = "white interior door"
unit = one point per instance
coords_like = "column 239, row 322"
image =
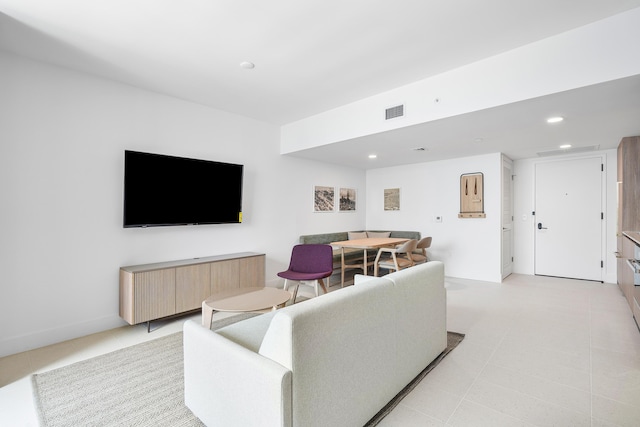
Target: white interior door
column 507, row 217
column 568, row 234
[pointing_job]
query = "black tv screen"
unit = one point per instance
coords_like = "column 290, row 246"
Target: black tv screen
column 162, row 190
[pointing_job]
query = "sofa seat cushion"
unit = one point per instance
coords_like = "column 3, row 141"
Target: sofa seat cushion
column 248, row 333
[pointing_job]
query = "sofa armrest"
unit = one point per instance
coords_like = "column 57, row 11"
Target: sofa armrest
column 227, row 384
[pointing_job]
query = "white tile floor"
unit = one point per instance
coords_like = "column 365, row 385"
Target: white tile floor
column 538, row 352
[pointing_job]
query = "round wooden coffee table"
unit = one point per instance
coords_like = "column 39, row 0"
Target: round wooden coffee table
column 243, row 300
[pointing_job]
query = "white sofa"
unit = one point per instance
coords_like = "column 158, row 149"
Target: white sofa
column 334, row 360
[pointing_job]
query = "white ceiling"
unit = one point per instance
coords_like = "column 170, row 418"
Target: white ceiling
column 314, row 55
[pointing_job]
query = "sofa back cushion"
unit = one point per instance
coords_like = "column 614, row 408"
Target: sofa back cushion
column 420, row 294
column 344, row 235
column 324, row 238
column 340, row 346
column 378, row 234
column 405, row 234
column 356, row 235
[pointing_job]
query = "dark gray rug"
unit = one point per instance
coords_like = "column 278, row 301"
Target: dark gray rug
column 453, row 339
column 142, row 385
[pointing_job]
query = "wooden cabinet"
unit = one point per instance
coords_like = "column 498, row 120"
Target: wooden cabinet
column 629, row 184
column 226, row 276
column 152, row 291
column 193, row 285
column 150, row 294
column 252, row 271
column 628, row 216
column 625, row 273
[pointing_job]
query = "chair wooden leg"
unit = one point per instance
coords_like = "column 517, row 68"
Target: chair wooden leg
column 295, row 293
column 324, row 288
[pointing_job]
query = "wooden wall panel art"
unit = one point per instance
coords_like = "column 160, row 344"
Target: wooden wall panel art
column 472, row 196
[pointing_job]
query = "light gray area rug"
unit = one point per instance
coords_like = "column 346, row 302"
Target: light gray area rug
column 142, row 385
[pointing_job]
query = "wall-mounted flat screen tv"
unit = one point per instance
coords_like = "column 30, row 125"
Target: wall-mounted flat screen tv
column 162, row 190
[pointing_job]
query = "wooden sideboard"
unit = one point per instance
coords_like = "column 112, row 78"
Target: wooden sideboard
column 153, row 291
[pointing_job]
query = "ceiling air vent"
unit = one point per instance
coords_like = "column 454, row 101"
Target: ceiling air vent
column 393, row 112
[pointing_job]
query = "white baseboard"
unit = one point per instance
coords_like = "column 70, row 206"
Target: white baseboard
column 274, row 283
column 18, row 344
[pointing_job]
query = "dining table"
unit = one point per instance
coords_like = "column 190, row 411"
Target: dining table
column 366, row 244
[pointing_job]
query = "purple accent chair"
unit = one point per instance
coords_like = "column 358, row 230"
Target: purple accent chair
column 310, row 262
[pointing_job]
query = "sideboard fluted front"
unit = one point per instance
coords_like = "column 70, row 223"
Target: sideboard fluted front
column 153, row 291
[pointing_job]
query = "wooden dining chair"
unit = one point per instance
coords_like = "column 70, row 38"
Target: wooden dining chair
column 420, row 254
column 395, row 258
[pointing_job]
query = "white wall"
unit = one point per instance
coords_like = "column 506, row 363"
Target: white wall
column 470, row 247
column 61, row 164
column 524, row 205
column 62, row 140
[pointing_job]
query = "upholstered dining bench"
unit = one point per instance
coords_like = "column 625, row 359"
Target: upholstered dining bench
column 352, row 254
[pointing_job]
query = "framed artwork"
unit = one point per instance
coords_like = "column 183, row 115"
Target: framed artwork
column 347, row 199
column 323, row 198
column 392, row 199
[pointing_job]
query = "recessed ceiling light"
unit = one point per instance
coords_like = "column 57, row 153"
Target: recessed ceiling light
column 478, row 140
column 557, row 119
column 373, row 156
column 565, row 146
column 247, row 65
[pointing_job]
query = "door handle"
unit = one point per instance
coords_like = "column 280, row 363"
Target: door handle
column 540, row 227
